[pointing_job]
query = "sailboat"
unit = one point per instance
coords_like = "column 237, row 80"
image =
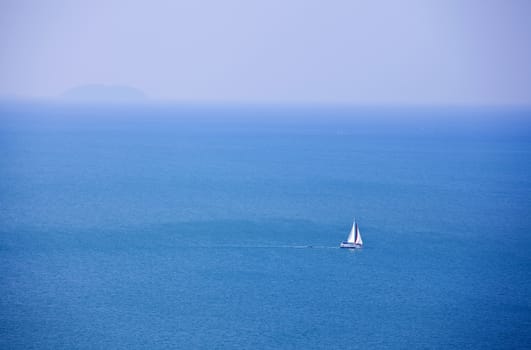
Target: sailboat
column 354, row 238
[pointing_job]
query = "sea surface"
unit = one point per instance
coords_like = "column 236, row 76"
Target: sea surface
column 217, row 227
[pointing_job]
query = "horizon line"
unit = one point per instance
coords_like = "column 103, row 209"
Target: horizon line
column 59, row 100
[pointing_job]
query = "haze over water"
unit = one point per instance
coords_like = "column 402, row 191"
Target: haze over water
column 218, row 227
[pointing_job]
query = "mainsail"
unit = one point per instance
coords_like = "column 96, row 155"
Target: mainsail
column 352, row 235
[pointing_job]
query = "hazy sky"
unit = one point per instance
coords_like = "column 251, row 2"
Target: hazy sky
column 370, row 52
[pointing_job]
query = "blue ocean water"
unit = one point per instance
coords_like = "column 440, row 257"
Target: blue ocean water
column 217, row 227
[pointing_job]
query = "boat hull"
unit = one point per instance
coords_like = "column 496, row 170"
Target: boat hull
column 349, row 245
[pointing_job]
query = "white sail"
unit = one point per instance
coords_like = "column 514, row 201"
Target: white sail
column 358, row 239
column 352, row 235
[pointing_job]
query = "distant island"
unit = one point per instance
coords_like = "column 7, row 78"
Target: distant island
column 104, row 93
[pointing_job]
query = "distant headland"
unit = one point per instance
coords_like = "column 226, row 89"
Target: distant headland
column 104, row 93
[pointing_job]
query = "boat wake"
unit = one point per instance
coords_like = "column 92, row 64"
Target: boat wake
column 274, row 246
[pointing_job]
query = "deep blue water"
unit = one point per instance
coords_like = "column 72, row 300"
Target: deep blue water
column 182, row 227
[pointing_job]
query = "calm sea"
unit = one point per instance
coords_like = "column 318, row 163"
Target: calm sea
column 182, row 227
